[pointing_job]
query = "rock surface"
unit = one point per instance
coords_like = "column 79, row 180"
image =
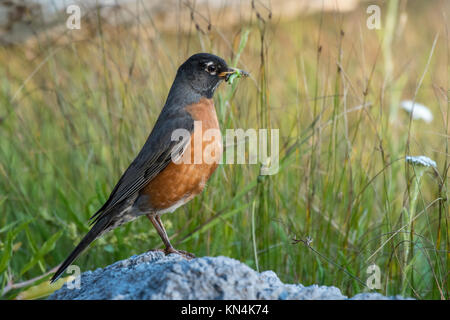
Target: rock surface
column 153, row 275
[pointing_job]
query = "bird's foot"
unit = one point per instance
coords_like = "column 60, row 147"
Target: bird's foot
column 184, row 254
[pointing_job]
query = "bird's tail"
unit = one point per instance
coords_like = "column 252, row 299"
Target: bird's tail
column 95, row 231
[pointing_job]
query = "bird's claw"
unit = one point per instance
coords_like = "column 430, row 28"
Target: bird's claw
column 185, row 254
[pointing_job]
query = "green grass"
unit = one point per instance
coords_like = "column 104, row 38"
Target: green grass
column 68, row 132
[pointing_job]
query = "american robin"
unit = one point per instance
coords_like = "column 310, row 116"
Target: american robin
column 156, row 182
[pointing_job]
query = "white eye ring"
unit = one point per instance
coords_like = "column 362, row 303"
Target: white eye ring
column 211, row 68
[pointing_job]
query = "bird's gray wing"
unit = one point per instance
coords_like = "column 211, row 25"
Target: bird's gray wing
column 154, row 156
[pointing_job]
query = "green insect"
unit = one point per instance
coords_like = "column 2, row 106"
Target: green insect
column 236, row 75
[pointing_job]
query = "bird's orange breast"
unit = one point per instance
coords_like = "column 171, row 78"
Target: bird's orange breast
column 180, row 182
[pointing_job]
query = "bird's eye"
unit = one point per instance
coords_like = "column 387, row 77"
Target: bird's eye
column 211, row 69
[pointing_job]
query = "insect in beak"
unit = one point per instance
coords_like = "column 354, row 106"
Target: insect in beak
column 233, row 73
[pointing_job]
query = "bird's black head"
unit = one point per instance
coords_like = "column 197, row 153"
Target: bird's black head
column 204, row 72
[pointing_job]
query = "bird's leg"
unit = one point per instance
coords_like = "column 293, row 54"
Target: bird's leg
column 169, row 248
column 157, row 223
column 161, row 231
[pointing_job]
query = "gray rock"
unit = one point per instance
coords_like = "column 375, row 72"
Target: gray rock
column 152, row 275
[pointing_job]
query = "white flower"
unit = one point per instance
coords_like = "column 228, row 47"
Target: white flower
column 418, row 110
column 421, row 161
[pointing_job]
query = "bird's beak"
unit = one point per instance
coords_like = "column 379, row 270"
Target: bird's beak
column 226, row 74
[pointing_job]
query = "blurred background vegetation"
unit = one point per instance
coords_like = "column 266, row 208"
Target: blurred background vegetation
column 77, row 107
